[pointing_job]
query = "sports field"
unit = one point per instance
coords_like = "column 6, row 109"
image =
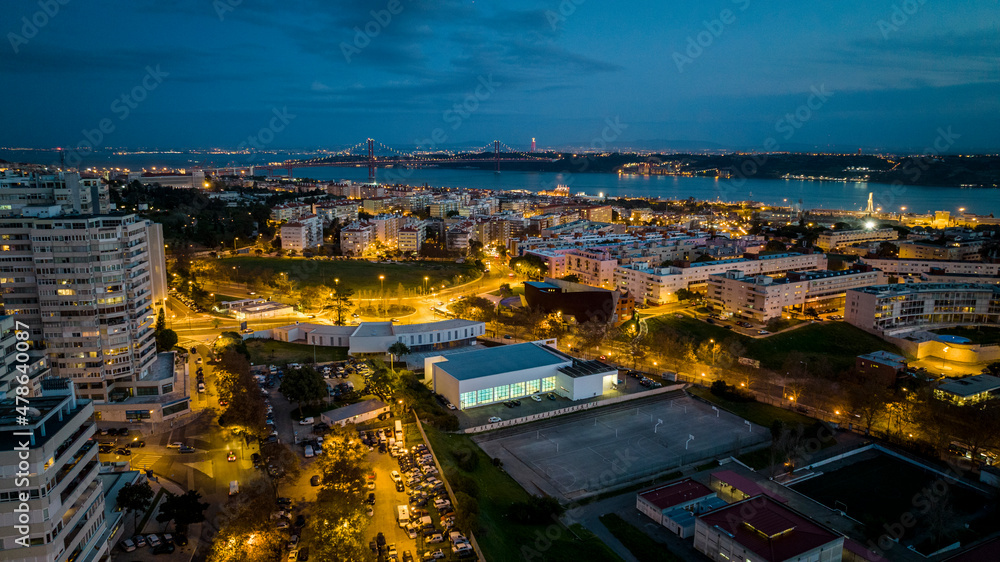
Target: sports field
column 589, row 452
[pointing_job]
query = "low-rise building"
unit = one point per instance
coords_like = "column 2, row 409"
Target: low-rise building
column 357, row 239
column 290, row 211
column 881, row 365
column 376, row 337
column 496, row 374
column 675, row 505
column 411, row 238
column 968, row 390
column 905, row 267
column 760, row 529
column 582, row 302
column 836, row 238
column 359, row 412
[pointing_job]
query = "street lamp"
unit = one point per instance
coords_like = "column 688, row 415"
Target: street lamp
column 425, row 284
column 381, row 279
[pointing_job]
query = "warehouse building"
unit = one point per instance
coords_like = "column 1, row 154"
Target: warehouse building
column 490, row 375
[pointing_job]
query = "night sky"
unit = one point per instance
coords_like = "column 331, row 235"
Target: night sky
column 716, row 72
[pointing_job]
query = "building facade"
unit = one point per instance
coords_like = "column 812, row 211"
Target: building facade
column 836, row 238
column 74, row 193
column 357, row 239
column 886, row 308
column 304, row 233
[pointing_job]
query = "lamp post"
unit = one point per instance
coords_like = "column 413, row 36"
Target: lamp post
column 381, row 279
column 425, row 284
column 235, row 240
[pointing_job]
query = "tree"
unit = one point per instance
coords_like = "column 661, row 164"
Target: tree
column 135, row 498
column 775, row 246
column 397, row 350
column 572, row 278
column 530, row 266
column 246, row 531
column 342, row 302
column 868, row 400
column 303, row 385
column 230, row 340
column 887, row 250
column 161, row 321
column 992, row 369
column 185, row 509
column 477, row 309
column 283, row 464
column 684, row 294
column 166, row 340
column 592, row 333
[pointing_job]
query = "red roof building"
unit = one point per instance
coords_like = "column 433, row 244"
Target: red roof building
column 760, row 529
column 675, row 505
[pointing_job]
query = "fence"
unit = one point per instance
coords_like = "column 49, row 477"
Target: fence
column 447, row 485
column 571, row 409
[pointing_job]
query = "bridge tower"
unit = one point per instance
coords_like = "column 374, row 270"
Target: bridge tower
column 371, row 160
column 496, row 154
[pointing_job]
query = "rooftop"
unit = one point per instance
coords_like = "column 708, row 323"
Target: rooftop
column 971, row 386
column 502, row 359
column 743, row 484
column 349, row 411
column 914, row 288
column 770, row 529
column 581, row 368
column 885, row 358
column 676, row 493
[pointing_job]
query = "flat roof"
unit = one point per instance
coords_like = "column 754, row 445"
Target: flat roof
column 351, row 410
column 427, row 326
column 541, row 285
column 771, row 529
column 676, row 493
column 970, row 386
column 502, row 359
column 581, row 368
column 744, row 484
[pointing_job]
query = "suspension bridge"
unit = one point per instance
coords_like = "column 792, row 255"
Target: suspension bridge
column 374, row 154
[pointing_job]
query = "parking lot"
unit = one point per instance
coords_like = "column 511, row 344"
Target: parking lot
column 585, row 453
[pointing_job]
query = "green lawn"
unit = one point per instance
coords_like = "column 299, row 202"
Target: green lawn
column 832, row 343
column 225, row 298
column 502, row 536
column 273, row 352
column 641, row 545
column 357, row 274
column 982, row 336
column 757, row 412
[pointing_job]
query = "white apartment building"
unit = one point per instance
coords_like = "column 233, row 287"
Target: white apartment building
column 36, row 368
column 593, row 267
column 345, row 211
column 461, row 234
column 357, row 238
column 290, row 211
column 836, row 238
column 72, row 192
column 962, row 250
column 440, row 209
column 762, row 297
column 387, row 229
column 658, row 285
column 916, row 267
column 411, row 238
column 304, row 233
column 86, row 286
column 62, row 495
column 884, row 308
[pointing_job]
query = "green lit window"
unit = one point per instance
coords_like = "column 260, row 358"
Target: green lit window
column 467, row 399
column 532, row 387
column 548, row 384
column 485, row 395
column 517, row 390
column 502, row 392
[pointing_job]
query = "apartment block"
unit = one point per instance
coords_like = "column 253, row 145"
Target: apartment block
column 887, row 308
column 836, row 238
column 49, row 469
column 11, row 360
column 387, row 229
column 964, row 250
column 74, row 193
column 357, row 238
column 304, row 233
column 917, row 267
column 411, row 238
column 290, row 211
column 440, row 209
column 658, row 285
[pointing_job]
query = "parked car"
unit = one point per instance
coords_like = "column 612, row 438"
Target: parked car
column 153, row 540
column 306, row 421
column 231, row 457
column 494, row 419
column 537, row 398
column 139, row 540
column 127, row 545
column 165, row 548
column 314, row 481
column 175, row 445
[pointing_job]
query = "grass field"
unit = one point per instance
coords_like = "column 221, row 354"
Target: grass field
column 356, row 274
column 641, row 545
column 503, row 537
column 757, row 412
column 982, row 336
column 833, row 343
column 281, row 353
column 852, row 489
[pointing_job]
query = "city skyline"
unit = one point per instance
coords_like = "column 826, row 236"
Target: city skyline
column 723, row 75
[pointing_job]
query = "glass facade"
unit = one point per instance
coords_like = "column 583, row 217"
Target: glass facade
column 485, row 395
column 531, row 387
column 506, row 392
column 501, row 392
column 467, row 400
column 517, row 390
column 548, row 384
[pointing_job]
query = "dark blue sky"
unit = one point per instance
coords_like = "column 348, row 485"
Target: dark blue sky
column 895, row 77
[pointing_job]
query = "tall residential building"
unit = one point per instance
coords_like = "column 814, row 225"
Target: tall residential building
column 74, row 193
column 302, row 234
column 836, row 238
column 86, row 287
column 12, row 362
column 357, row 238
column 889, row 308
column 411, row 238
column 53, row 462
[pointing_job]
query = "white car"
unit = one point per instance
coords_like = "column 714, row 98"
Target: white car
column 451, row 406
column 395, row 476
column 536, row 398
column 153, row 540
column 307, row 421
column 175, row 445
column 494, row 419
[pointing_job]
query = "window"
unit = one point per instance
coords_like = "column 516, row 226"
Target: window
column 467, row 399
column 517, row 390
column 531, row 387
column 502, row 392
column 485, row 395
column 548, row 384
